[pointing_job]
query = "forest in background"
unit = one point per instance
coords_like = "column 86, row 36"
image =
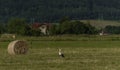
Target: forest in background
column 53, row 10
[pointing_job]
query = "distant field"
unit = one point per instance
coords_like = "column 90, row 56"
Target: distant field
column 81, row 53
column 102, row 23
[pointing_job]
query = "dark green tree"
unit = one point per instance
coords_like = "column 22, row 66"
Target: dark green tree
column 2, row 28
column 35, row 32
column 112, row 29
column 54, row 29
column 76, row 27
column 17, row 26
column 66, row 27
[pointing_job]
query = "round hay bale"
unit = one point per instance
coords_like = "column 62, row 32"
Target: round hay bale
column 17, row 47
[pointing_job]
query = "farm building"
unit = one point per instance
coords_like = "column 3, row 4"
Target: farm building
column 44, row 27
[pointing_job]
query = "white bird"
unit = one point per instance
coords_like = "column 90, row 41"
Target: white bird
column 61, row 54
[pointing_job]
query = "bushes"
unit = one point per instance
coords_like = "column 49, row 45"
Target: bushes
column 112, row 29
column 20, row 27
column 17, row 26
column 72, row 27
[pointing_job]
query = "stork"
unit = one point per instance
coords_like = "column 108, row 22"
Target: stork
column 61, row 54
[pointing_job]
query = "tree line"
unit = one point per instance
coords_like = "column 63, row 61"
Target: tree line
column 20, row 26
column 67, row 26
column 112, row 29
column 53, row 10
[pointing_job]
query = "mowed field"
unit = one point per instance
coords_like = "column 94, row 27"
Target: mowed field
column 81, row 53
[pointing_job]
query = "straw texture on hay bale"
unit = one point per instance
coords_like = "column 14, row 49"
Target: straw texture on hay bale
column 17, row 47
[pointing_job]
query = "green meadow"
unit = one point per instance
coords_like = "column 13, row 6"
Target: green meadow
column 81, row 52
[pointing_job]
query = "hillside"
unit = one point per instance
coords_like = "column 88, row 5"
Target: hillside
column 54, row 10
column 101, row 23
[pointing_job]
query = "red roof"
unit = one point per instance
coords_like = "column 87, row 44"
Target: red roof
column 37, row 25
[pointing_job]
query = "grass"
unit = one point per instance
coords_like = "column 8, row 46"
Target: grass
column 75, row 58
column 79, row 54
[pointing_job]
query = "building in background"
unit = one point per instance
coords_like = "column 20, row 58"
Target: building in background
column 43, row 27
